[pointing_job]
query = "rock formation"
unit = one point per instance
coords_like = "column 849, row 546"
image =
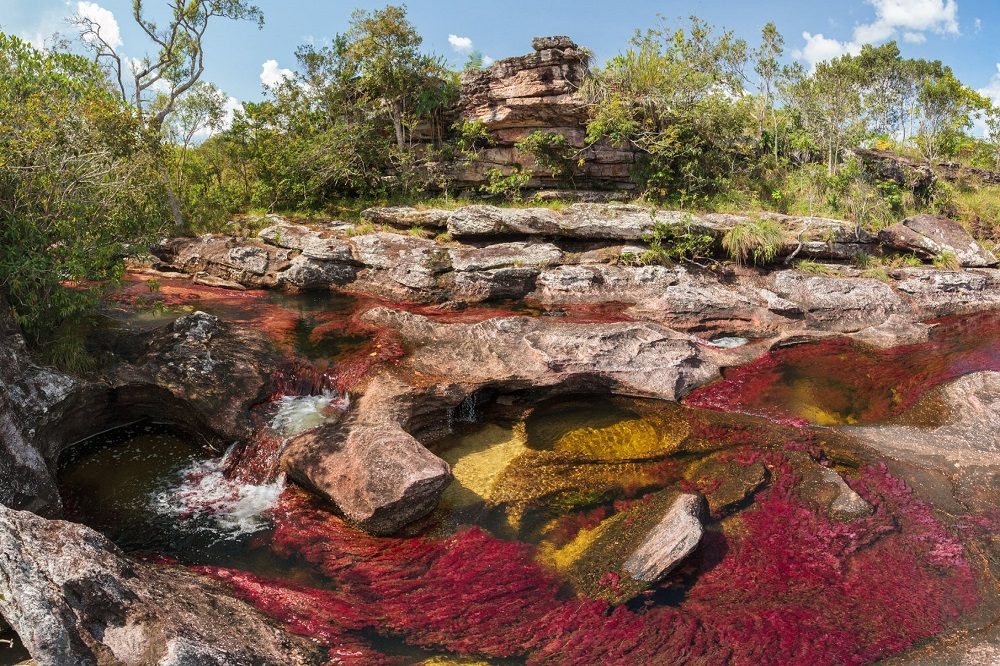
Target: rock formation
column 372, row 466
column 73, row 598
column 935, row 236
column 537, row 92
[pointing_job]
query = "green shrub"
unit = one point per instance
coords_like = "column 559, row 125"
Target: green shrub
column 671, row 242
column 551, row 150
column 508, row 186
column 758, row 241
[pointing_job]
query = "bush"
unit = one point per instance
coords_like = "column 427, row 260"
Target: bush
column 671, row 242
column 754, row 240
column 80, row 191
column 504, row 185
column 552, row 152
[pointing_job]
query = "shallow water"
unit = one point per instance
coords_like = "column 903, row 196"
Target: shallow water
column 840, row 382
column 153, row 491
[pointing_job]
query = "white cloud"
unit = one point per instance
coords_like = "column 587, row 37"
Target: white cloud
column 272, row 75
column 103, row 19
column 978, row 24
column 487, row 61
column 460, row 44
column 939, row 16
column 992, row 89
column 819, row 48
column 913, row 19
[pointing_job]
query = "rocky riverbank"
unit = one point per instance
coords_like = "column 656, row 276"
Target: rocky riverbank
column 456, row 345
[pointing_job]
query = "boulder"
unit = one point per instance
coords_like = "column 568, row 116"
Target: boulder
column 672, row 539
column 839, row 304
column 495, row 284
column 74, row 598
column 932, row 236
column 214, row 369
column 29, row 394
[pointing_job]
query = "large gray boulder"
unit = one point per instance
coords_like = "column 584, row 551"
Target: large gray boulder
column 74, row 598
column 937, row 293
column 933, row 235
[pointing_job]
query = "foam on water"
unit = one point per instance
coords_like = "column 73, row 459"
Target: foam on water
column 297, row 414
column 207, row 501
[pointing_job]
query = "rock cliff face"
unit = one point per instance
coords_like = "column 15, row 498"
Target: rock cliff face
column 537, row 92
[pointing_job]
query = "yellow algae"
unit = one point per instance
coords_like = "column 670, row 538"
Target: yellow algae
column 454, row 661
column 564, row 558
column 631, row 439
column 479, row 460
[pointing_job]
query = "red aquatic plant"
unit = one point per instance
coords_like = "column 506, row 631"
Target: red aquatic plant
column 853, row 382
column 779, row 584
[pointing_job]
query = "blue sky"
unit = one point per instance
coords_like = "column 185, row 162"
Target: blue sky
column 963, row 33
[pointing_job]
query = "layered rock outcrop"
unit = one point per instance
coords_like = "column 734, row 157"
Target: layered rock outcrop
column 589, row 254
column 537, row 92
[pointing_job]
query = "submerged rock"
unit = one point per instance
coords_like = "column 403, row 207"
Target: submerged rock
column 674, row 538
column 73, row 598
column 639, row 547
column 956, row 424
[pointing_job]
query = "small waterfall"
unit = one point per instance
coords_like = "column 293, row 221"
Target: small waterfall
column 297, row 414
column 466, row 412
column 210, row 501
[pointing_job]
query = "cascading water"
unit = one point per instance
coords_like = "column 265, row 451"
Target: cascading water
column 297, row 414
column 211, row 502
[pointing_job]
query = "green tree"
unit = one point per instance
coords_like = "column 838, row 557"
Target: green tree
column 203, row 109
column 78, row 190
column 945, row 111
column 385, row 48
column 828, row 103
column 676, row 95
column 176, row 60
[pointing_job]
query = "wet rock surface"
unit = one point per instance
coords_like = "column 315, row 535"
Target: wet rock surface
column 73, row 598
